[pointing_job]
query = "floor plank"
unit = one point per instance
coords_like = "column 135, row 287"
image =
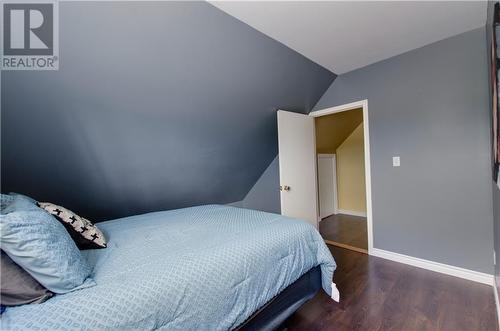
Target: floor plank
column 345, row 229
column 378, row 294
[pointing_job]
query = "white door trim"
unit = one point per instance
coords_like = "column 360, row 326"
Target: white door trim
column 368, row 178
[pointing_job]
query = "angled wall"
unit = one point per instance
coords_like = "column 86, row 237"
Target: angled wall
column 265, row 194
column 429, row 106
column 156, row 105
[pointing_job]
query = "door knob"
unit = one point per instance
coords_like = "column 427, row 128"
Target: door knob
column 285, row 188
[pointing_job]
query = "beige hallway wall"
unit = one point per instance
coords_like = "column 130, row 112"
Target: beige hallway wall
column 351, row 172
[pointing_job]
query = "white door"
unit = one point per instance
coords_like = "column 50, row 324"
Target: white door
column 327, row 185
column 297, row 161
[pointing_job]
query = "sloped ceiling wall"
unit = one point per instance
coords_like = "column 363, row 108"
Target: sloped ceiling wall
column 333, row 129
column 156, row 105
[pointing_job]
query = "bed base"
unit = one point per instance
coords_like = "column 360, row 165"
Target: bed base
column 275, row 312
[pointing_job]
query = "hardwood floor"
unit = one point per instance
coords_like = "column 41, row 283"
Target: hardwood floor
column 345, row 229
column 378, row 294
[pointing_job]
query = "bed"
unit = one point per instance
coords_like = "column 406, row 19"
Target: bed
column 202, row 268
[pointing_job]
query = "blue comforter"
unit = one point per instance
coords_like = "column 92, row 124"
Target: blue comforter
column 200, row 268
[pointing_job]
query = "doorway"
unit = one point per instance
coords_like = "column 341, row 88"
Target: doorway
column 341, row 179
column 304, row 164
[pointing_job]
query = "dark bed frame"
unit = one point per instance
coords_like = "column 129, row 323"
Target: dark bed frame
column 275, row 312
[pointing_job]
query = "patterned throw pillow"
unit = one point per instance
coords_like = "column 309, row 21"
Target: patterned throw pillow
column 85, row 234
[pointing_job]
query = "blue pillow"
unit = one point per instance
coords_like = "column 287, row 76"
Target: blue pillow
column 40, row 244
column 16, row 202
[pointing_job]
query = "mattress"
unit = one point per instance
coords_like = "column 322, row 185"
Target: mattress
column 201, row 268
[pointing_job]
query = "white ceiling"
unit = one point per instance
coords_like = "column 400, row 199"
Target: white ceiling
column 342, row 36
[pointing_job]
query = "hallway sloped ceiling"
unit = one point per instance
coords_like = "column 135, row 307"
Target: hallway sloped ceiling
column 332, row 130
column 155, row 106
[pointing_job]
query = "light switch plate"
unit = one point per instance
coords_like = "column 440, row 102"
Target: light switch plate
column 396, row 161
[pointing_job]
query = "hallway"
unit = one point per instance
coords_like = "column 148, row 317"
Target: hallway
column 345, row 230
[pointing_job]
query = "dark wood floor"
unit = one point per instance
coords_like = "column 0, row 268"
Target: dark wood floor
column 345, row 229
column 378, row 294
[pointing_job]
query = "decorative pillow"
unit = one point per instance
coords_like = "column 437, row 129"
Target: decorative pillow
column 39, row 244
column 85, row 234
column 17, row 287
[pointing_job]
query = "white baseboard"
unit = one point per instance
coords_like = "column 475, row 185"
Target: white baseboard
column 472, row 275
column 497, row 301
column 351, row 212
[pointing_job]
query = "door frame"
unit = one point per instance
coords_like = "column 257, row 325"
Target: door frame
column 368, row 178
column 335, row 189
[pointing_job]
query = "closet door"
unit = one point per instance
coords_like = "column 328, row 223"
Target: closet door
column 327, row 185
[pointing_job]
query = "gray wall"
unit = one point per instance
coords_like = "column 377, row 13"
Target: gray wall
column 265, row 194
column 156, row 105
column 429, row 106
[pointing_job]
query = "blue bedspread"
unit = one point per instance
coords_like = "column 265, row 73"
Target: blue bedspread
column 200, row 268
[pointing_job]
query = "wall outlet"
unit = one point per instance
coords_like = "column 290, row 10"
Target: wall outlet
column 396, row 161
